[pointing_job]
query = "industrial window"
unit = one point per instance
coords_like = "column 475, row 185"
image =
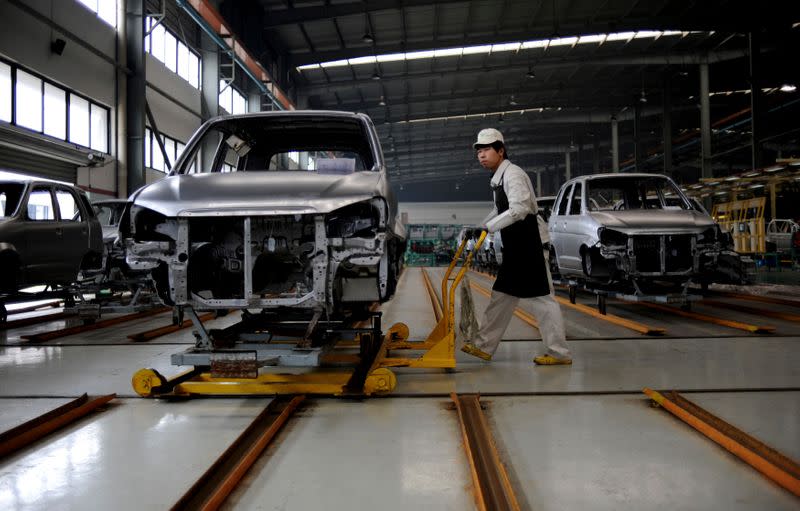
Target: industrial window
column 99, row 129
column 55, row 111
column 5, row 92
column 28, row 101
column 171, row 52
column 33, row 102
column 106, row 10
column 78, row 121
column 153, row 158
column 167, row 47
column 231, row 100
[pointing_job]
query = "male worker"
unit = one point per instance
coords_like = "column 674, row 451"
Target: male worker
column 523, row 273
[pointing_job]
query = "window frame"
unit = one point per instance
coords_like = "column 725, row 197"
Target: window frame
column 68, row 93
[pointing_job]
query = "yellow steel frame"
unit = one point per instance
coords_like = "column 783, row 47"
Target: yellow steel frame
column 440, row 345
column 751, row 238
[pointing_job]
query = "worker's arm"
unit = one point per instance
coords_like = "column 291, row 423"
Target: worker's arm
column 520, row 198
column 486, row 220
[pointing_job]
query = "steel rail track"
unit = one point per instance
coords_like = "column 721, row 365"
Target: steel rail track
column 25, row 434
column 217, row 483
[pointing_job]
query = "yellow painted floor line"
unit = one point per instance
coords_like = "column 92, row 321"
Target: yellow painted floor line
column 611, row 318
column 757, row 329
column 752, row 310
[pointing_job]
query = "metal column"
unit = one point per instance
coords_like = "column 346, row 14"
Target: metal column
column 756, row 99
column 135, row 94
column 538, row 183
column 705, row 124
column 595, row 155
column 638, row 160
column 210, row 93
column 614, row 144
column 568, row 169
column 666, row 126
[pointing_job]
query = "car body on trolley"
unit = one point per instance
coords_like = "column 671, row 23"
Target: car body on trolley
column 288, row 209
column 637, row 231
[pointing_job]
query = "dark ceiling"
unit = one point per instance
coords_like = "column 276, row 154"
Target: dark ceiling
column 428, row 110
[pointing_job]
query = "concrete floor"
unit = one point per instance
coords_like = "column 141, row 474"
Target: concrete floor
column 573, row 438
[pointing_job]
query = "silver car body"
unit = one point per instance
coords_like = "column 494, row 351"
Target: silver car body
column 632, row 227
column 322, row 230
column 780, row 232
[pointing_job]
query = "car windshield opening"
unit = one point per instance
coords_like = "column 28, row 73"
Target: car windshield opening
column 634, row 193
column 10, row 195
column 285, row 144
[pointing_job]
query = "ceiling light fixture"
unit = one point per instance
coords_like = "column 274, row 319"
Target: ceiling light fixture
column 530, row 73
column 376, row 76
column 788, row 87
column 512, row 101
column 643, row 97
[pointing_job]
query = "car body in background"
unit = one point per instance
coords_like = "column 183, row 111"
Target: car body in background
column 293, row 209
column 637, row 231
column 109, row 212
column 48, row 234
column 779, row 234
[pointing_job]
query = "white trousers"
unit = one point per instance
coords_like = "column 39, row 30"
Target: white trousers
column 546, row 310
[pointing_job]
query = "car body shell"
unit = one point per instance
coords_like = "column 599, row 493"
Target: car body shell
column 48, row 233
column 247, row 208
column 671, row 240
column 780, row 232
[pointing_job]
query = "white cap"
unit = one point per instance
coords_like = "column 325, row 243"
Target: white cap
column 488, row 137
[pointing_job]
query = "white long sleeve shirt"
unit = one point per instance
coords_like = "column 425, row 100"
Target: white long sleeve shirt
column 521, row 199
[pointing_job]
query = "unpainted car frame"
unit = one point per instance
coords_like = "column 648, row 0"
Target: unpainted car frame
column 293, row 210
column 640, row 233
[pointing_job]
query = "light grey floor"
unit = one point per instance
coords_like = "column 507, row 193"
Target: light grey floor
column 574, row 438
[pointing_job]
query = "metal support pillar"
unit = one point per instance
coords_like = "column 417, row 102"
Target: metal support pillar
column 773, row 202
column 538, row 183
column 568, row 166
column 120, row 104
column 595, row 155
column 135, row 94
column 666, row 126
column 705, row 124
column 614, row 144
column 756, row 100
column 638, row 160
column 210, row 93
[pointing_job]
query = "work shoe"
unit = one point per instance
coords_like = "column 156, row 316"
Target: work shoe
column 550, row 360
column 475, row 351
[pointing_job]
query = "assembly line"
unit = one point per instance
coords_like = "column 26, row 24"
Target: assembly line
column 445, row 255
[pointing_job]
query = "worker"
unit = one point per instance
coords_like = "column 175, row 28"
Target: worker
column 523, row 272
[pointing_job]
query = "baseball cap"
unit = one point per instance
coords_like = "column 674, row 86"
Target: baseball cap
column 488, row 136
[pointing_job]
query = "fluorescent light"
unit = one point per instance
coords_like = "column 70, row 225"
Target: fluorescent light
column 731, row 178
column 756, row 186
column 774, row 169
column 494, row 48
column 752, row 174
column 788, row 87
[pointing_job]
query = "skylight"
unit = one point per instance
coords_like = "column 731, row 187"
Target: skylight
column 598, row 39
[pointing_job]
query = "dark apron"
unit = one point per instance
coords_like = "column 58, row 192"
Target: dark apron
column 523, row 273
